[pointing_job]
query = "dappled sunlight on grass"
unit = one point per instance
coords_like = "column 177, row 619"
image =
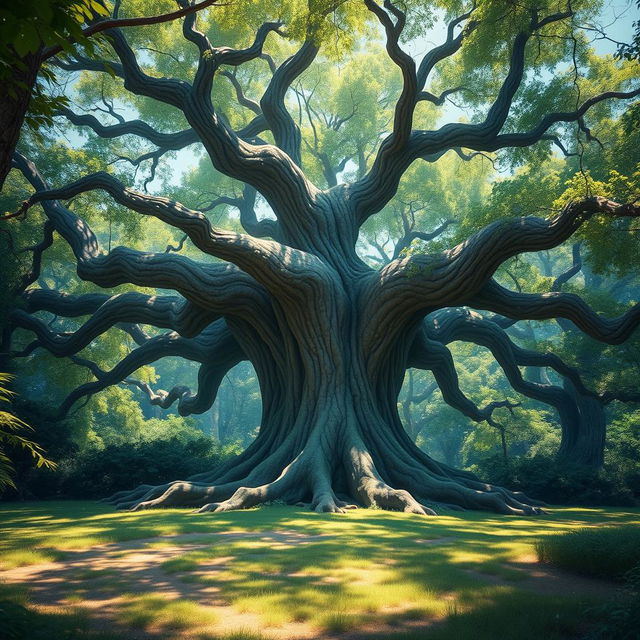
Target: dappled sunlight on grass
column 508, row 615
column 155, row 612
column 241, row 634
column 26, row 557
column 21, row 622
column 328, row 572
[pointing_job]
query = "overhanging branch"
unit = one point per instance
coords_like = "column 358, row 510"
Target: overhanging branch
column 534, row 306
column 216, row 348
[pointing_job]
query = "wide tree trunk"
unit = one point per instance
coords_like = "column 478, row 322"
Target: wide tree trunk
column 331, row 435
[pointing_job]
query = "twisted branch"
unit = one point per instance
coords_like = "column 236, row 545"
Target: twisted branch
column 215, row 346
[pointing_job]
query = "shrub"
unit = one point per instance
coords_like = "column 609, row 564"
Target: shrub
column 620, row 618
column 544, row 478
column 101, row 472
column 96, row 472
column 603, row 552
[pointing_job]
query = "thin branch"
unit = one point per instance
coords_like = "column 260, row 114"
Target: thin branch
column 435, row 357
column 116, row 23
column 574, row 269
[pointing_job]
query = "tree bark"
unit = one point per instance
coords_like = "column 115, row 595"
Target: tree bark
column 13, row 108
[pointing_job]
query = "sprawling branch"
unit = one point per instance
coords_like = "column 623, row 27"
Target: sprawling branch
column 170, row 141
column 405, row 106
column 219, row 288
column 453, row 277
column 265, row 228
column 533, row 306
column 170, row 312
column 215, row 348
column 114, row 23
column 269, row 262
column 435, row 357
column 438, row 100
column 285, row 131
column 371, row 193
column 241, row 98
column 274, row 172
column 30, row 276
column 460, row 324
column 412, row 235
column 391, row 161
column 573, row 270
column 210, row 376
column 621, row 395
column 236, row 57
column 451, row 325
column 528, row 138
column 445, row 50
column 168, row 90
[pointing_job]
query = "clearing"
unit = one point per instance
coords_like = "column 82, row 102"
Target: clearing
column 85, row 571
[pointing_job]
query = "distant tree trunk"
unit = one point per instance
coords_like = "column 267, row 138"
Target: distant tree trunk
column 13, row 108
column 215, row 420
column 586, row 445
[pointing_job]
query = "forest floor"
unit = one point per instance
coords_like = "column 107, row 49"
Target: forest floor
column 81, row 570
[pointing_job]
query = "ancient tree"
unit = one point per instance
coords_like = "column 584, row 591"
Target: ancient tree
column 330, row 337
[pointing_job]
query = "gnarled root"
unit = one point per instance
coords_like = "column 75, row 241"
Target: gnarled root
column 308, row 480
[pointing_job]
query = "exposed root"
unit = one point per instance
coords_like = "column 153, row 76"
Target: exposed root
column 243, row 498
column 375, row 493
column 308, row 481
column 326, row 504
column 347, row 506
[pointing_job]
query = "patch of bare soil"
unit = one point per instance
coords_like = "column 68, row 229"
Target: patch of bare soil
column 99, row 581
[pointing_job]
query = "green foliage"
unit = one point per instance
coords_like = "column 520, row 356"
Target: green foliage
column 602, row 552
column 544, row 478
column 11, row 438
column 622, row 453
column 27, row 26
column 621, row 617
column 162, row 450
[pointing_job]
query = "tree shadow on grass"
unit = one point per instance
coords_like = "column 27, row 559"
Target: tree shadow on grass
column 19, row 622
column 360, row 575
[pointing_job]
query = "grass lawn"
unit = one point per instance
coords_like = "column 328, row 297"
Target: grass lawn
column 281, row 572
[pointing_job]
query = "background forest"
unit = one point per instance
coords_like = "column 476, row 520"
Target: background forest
column 120, row 437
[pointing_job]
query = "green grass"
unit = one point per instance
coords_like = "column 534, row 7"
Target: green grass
column 150, row 611
column 20, row 622
column 603, row 552
column 510, row 615
column 369, row 567
column 242, row 634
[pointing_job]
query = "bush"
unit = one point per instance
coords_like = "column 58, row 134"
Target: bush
column 610, row 552
column 99, row 472
column 603, row 552
column 620, row 618
column 544, row 478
